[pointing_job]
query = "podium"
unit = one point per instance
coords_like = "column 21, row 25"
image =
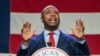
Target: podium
column 50, row 51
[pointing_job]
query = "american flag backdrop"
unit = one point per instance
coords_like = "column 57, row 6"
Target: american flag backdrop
column 70, row 10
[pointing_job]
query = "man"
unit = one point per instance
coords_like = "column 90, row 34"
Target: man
column 51, row 19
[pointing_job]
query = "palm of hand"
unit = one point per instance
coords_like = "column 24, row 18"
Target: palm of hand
column 26, row 36
column 26, row 33
column 79, row 30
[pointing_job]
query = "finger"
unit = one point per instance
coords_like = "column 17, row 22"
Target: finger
column 83, row 28
column 81, row 23
column 25, row 24
column 29, row 24
column 26, row 27
column 76, row 22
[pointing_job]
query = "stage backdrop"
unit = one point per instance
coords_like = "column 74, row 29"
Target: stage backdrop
column 70, row 10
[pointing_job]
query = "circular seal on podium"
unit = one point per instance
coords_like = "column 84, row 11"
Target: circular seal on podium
column 50, row 51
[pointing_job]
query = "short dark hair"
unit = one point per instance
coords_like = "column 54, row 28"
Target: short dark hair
column 46, row 8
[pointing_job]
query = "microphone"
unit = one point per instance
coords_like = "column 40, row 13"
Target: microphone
column 49, row 43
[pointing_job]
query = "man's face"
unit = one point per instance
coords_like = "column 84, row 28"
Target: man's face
column 51, row 17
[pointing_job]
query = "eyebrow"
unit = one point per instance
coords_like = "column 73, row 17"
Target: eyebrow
column 53, row 10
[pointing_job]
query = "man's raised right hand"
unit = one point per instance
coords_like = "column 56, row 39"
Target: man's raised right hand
column 26, row 33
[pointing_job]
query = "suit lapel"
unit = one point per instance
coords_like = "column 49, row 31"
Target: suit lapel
column 61, row 41
column 42, row 40
column 62, row 44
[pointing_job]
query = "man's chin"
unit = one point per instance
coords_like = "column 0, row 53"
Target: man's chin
column 53, row 25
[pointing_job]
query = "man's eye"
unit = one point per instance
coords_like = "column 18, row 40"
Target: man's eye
column 56, row 12
column 47, row 12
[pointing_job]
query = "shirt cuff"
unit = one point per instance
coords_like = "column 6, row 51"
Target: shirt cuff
column 24, row 47
column 82, row 41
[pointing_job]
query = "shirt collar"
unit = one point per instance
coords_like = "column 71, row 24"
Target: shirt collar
column 57, row 32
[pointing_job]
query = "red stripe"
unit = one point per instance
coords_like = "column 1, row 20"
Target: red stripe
column 14, row 43
column 62, row 5
column 93, row 43
column 92, row 40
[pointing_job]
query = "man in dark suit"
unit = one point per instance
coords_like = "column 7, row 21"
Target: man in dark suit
column 51, row 20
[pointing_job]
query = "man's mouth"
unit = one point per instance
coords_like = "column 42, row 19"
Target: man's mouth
column 53, row 20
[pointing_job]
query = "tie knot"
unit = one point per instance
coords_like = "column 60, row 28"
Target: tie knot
column 51, row 33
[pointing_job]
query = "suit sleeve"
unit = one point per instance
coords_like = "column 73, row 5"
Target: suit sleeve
column 22, row 52
column 82, row 49
column 28, row 52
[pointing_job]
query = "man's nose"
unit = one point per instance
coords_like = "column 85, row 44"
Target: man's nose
column 52, row 14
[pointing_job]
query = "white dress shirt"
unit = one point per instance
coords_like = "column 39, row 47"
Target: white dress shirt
column 55, row 35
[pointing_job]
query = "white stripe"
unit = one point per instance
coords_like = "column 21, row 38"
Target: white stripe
column 91, row 22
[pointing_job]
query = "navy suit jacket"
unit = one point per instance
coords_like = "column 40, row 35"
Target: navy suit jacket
column 67, row 43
